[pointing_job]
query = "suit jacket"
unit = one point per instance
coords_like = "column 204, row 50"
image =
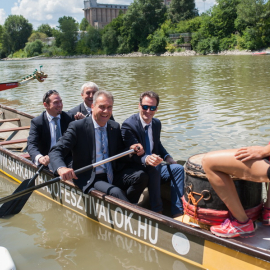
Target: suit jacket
column 133, row 132
column 80, row 140
column 39, row 139
column 81, row 108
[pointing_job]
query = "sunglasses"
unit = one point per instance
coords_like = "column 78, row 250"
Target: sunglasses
column 146, row 107
column 49, row 93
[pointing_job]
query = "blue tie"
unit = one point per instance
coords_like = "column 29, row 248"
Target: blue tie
column 147, row 141
column 104, row 148
column 56, row 128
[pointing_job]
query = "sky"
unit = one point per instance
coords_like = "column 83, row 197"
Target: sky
column 39, row 12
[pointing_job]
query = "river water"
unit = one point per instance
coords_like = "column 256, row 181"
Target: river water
column 206, row 103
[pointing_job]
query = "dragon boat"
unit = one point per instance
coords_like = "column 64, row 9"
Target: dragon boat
column 182, row 240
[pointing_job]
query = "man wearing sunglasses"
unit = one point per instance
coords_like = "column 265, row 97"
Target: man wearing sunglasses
column 143, row 128
column 46, row 128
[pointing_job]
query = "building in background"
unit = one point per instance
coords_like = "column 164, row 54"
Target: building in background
column 99, row 15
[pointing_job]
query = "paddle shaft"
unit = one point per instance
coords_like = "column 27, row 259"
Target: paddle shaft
column 37, row 173
column 81, row 170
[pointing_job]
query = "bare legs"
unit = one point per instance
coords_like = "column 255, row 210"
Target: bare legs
column 219, row 165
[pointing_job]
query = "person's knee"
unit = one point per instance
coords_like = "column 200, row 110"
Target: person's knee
column 142, row 178
column 116, row 192
column 208, row 161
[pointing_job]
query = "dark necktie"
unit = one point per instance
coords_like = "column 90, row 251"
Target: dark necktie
column 147, row 141
column 56, row 128
column 104, row 148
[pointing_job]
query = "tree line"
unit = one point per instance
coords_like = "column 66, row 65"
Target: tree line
column 145, row 27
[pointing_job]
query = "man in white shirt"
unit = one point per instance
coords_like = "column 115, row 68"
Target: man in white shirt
column 46, row 128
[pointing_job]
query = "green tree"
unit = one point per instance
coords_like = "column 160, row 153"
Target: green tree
column 216, row 28
column 158, row 41
column 1, row 41
column 223, row 18
column 67, row 37
column 253, row 24
column 141, row 19
column 46, row 29
column 33, row 48
column 16, row 32
column 36, row 35
column 112, row 34
column 181, row 10
column 93, row 39
column 81, row 47
column 116, row 24
column 189, row 26
column 84, row 24
column 249, row 13
column 110, row 41
column 56, row 34
column 1, row 33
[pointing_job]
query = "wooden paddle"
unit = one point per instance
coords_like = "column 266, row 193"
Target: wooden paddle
column 21, row 194
column 15, row 206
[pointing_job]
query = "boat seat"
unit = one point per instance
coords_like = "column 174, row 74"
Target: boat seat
column 10, row 120
column 18, row 143
column 5, row 135
column 21, row 134
column 14, row 129
column 25, row 155
column 13, row 142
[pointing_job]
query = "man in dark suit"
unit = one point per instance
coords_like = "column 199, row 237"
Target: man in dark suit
column 46, row 128
column 87, row 92
column 143, row 128
column 91, row 140
column 84, row 109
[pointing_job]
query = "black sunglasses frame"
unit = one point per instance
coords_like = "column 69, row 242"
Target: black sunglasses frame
column 146, row 107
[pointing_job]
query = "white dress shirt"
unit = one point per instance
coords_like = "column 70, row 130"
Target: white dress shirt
column 89, row 110
column 52, row 132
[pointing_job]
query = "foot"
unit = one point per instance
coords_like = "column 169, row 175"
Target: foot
column 266, row 216
column 232, row 228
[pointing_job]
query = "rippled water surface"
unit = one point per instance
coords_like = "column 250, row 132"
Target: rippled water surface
column 47, row 236
column 207, row 103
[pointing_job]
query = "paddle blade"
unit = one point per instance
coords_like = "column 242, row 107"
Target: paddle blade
column 15, row 206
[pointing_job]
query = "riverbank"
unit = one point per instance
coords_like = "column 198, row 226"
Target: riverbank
column 138, row 54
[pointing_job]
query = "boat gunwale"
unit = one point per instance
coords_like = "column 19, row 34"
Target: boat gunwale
column 16, row 111
column 167, row 221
